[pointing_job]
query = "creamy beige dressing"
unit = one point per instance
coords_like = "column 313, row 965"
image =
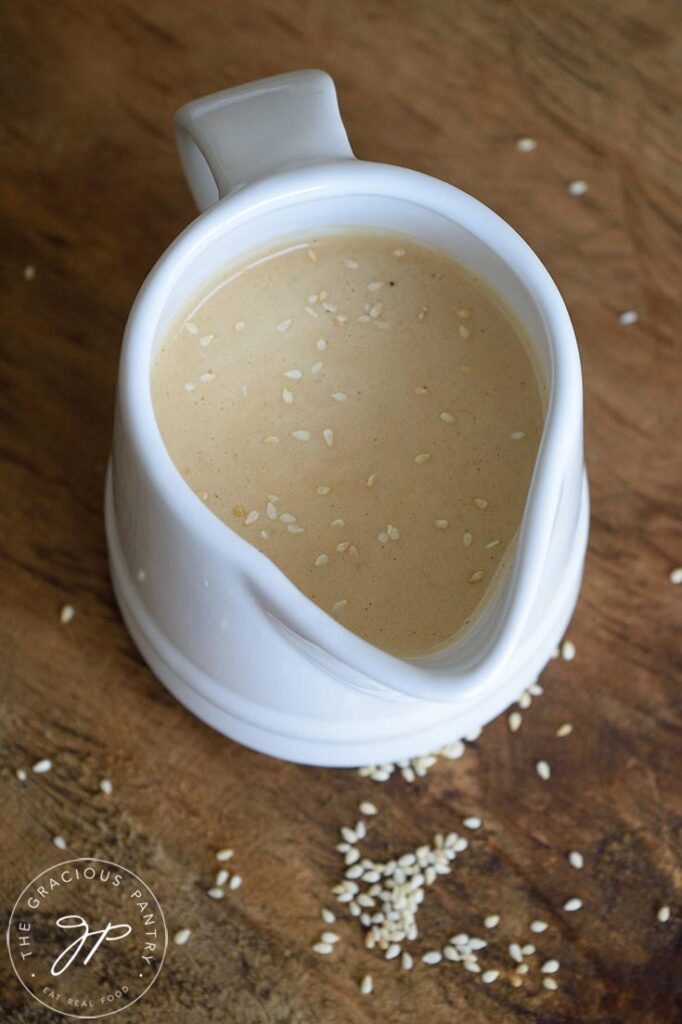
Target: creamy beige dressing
column 366, row 412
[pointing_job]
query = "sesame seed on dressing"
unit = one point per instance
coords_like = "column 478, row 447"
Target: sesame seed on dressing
column 627, row 318
column 335, row 438
column 192, row 327
column 577, row 188
column 518, row 435
column 480, row 503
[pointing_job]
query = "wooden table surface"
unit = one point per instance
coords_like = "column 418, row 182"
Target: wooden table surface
column 91, row 193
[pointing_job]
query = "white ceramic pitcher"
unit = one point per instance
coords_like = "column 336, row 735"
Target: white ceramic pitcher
column 215, row 619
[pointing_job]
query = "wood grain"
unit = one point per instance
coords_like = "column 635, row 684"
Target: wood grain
column 90, row 194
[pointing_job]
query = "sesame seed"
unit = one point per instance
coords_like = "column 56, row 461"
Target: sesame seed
column 383, row 537
column 201, row 495
column 568, row 651
column 676, row 576
column 29, row 272
column 477, row 576
column 271, row 439
column 316, row 368
column 235, row 882
column 215, row 893
column 577, row 188
column 339, row 606
column 522, row 968
column 330, row 937
column 441, row 524
column 321, row 560
column 514, row 950
column 287, row 517
column 265, row 535
column 221, row 877
column 525, row 700
column 422, row 458
column 312, row 255
column 106, row 786
column 492, row 544
column 66, row 614
column 336, row 523
column 323, row 489
column 323, row 948
column 206, row 340
column 367, row 985
column 564, row 730
column 538, row 926
column 407, row 961
column 514, row 721
column 295, row 528
column 321, row 345
column 192, row 328
column 392, row 532
column 328, row 435
column 340, row 396
column 628, row 318
column 206, row 378
column 663, row 914
column 433, row 956
column 550, row 967
column 239, row 325
column 489, row 976
column 141, row 575
column 190, row 386
column 518, row 435
column 182, row 936
column 480, row 503
column 392, row 952
column 59, row 842
column 472, row 823
column 311, row 312
column 301, row 435
column 463, row 331
column 42, row 766
column 543, row 770
column 284, row 325
column 21, row 774
column 467, row 539
column 576, row 859
column 252, row 517
column 270, row 510
column 398, row 253
column 366, row 807
column 225, row 854
column 526, row 144
column 352, row 264
column 287, row 396
column 491, row 921
column 371, row 479
column 550, row 984
column 573, row 904
column 374, row 286
column 293, row 374
column 447, row 417
column 327, row 915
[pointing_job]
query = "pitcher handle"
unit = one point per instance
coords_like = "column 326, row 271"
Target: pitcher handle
column 240, row 135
